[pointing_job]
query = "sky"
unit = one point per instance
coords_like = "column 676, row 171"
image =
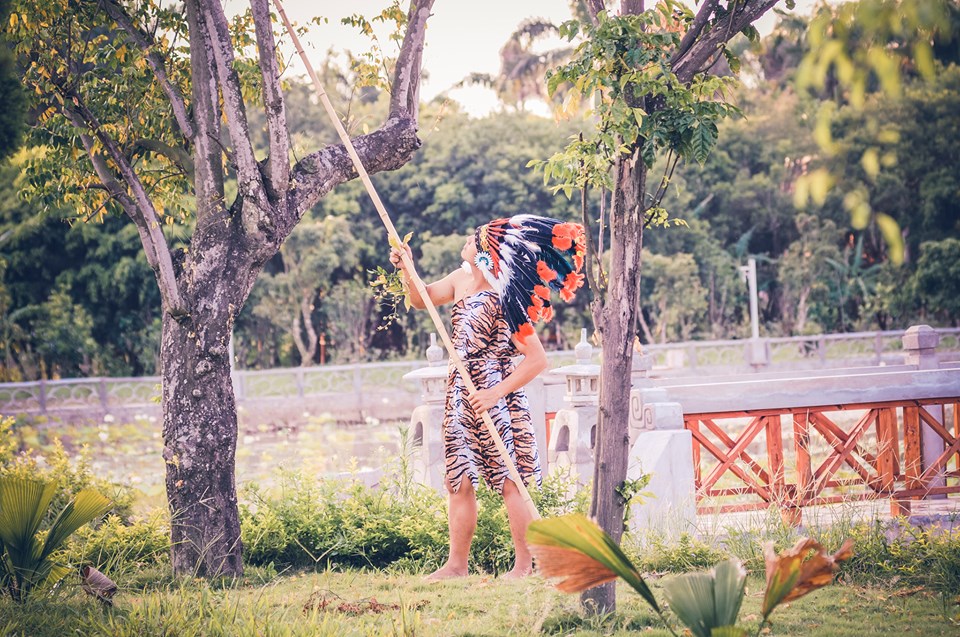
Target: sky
column 463, row 37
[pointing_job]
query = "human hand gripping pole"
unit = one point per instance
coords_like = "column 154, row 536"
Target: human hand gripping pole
column 408, row 263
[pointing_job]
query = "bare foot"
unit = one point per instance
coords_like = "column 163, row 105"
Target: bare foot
column 446, row 572
column 518, row 572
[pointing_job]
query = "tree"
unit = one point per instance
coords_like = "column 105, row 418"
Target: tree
column 938, row 278
column 676, row 301
column 650, row 72
column 144, row 110
column 310, row 258
column 804, row 270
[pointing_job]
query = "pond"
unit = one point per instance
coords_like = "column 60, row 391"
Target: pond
column 129, row 452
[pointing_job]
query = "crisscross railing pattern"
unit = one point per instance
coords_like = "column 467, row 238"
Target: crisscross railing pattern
column 750, row 460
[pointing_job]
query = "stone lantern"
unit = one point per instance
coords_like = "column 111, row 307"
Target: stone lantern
column 426, row 422
column 583, row 377
column 433, row 377
column 573, row 435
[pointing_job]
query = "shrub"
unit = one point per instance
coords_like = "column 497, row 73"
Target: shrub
column 896, row 551
column 72, row 475
column 401, row 525
column 118, row 545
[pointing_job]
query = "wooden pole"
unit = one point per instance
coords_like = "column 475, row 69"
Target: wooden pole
column 407, row 261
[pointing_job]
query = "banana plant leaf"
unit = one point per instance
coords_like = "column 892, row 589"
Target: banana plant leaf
column 576, row 549
column 710, row 600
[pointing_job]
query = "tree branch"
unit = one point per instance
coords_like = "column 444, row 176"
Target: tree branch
column 278, row 164
column 137, row 208
column 178, row 156
column 696, row 28
column 595, row 7
column 405, row 97
column 249, row 179
column 692, row 62
column 631, row 7
column 147, row 44
column 387, row 148
column 207, row 153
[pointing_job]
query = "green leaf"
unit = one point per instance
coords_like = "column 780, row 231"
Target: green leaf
column 708, row 600
column 22, row 506
column 87, row 506
column 701, row 142
column 576, row 533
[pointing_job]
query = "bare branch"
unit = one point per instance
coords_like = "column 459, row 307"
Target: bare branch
column 631, row 7
column 405, row 98
column 278, row 166
column 207, row 149
column 595, row 7
column 694, row 60
column 139, row 207
column 146, row 43
column 387, row 148
column 178, row 156
column 699, row 22
column 249, row 179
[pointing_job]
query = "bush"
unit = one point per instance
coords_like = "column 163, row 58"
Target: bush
column 898, row 552
column 118, row 545
column 71, row 474
column 400, row 525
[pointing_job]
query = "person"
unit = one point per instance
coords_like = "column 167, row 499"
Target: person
column 503, row 288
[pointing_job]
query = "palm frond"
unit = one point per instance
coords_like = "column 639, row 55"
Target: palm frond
column 574, row 533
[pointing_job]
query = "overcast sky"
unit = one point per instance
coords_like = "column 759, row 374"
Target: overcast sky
column 463, row 37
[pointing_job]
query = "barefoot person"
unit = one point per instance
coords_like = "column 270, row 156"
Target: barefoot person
column 500, row 292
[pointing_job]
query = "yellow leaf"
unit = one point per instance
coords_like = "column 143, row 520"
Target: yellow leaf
column 890, row 230
column 871, row 163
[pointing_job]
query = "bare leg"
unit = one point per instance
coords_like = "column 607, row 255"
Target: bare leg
column 462, row 521
column 520, row 518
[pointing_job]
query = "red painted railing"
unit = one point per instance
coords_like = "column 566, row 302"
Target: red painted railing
column 880, row 456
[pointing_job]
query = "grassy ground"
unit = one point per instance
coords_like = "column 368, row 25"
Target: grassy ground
column 332, row 603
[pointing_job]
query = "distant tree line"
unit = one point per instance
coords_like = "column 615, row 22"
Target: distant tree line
column 79, row 298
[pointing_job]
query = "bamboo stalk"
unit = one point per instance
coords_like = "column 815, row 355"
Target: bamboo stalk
column 407, row 261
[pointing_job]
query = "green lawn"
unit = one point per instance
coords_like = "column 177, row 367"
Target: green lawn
column 288, row 605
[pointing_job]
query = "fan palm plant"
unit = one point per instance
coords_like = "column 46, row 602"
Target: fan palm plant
column 26, row 555
column 576, row 549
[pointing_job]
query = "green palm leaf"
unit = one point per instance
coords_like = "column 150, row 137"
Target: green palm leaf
column 22, row 506
column 709, row 600
column 554, row 541
column 86, row 507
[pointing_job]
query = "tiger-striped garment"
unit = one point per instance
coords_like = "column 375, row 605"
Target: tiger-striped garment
column 482, row 339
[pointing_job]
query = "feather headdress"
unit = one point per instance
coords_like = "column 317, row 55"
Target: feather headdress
column 526, row 257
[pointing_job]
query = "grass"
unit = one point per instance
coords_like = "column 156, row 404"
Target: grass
column 290, row 604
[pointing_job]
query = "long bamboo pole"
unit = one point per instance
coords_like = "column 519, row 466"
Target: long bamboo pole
column 408, row 262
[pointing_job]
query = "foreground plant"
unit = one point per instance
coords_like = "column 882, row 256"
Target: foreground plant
column 707, row 603
column 26, row 563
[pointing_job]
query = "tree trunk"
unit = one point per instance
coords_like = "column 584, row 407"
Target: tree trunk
column 616, row 319
column 200, row 441
column 199, row 408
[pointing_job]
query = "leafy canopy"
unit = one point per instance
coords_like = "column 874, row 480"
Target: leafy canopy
column 623, row 64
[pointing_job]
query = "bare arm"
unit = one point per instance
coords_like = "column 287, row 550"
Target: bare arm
column 534, row 361
column 441, row 292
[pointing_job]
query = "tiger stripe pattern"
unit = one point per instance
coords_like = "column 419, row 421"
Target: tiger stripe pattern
column 482, row 339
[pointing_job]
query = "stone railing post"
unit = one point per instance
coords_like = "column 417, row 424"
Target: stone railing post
column 920, row 349
column 573, row 434
column 426, row 422
column 661, row 448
